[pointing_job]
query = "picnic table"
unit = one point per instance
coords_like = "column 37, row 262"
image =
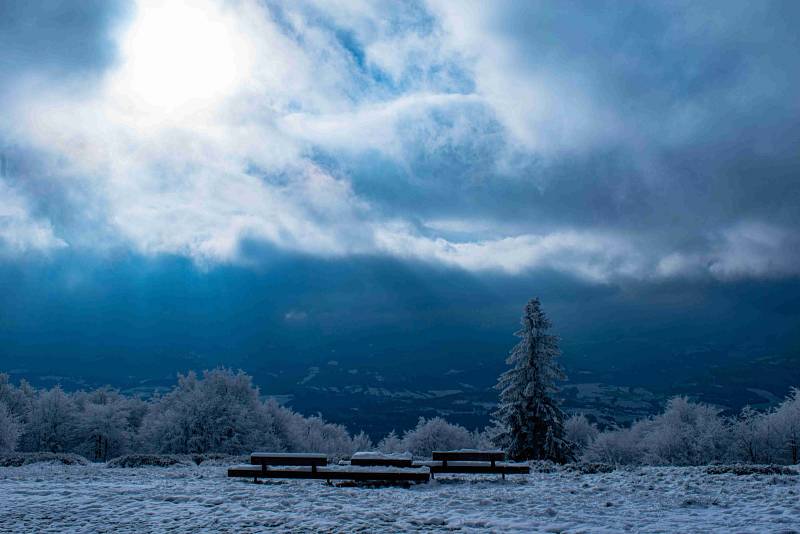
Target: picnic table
column 315, row 466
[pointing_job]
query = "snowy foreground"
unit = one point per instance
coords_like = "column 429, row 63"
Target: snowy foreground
column 57, row 498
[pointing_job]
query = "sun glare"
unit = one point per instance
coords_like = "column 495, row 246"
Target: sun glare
column 180, row 55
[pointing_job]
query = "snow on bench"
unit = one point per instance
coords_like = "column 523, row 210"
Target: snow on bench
column 469, row 455
column 402, row 459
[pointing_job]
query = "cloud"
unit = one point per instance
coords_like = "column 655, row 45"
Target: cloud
column 590, row 256
column 20, row 231
column 604, row 141
column 746, row 250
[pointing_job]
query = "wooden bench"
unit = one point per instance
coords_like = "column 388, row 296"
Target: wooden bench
column 315, row 466
column 473, row 462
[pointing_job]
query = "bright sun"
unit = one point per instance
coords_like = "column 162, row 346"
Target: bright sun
column 180, row 55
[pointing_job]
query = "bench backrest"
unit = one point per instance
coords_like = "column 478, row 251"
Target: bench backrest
column 372, row 458
column 288, row 458
column 469, row 456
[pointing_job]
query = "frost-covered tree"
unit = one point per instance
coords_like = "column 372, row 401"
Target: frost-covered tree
column 619, row 446
column 50, row 425
column 219, row 413
column 687, row 433
column 313, row 434
column 529, row 412
column 750, row 437
column 580, row 432
column 392, row 443
column 103, row 431
column 786, row 421
column 9, row 429
column 436, row 434
column 18, row 400
column 361, row 442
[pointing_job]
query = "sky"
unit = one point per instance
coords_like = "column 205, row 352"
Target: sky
column 353, row 163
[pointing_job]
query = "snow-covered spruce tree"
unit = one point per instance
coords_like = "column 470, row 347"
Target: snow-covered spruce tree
column 532, row 421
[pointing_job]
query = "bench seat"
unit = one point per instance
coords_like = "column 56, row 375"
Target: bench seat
column 333, row 472
column 500, row 468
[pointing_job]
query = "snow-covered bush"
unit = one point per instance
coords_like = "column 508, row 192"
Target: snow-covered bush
column 18, row 459
column 9, row 429
column 580, row 432
column 617, row 446
column 313, row 434
column 436, row 434
column 687, row 433
column 149, row 460
column 750, row 469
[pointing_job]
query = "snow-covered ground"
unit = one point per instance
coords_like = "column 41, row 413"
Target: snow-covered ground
column 57, row 498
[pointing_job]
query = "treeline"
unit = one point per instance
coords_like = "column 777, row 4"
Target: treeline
column 689, row 433
column 221, row 411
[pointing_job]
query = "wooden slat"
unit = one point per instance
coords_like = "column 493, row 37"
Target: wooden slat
column 283, row 458
column 469, row 456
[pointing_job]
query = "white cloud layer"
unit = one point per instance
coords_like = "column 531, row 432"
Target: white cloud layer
column 205, row 133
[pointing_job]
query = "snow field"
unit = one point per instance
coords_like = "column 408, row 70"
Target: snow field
column 57, row 498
